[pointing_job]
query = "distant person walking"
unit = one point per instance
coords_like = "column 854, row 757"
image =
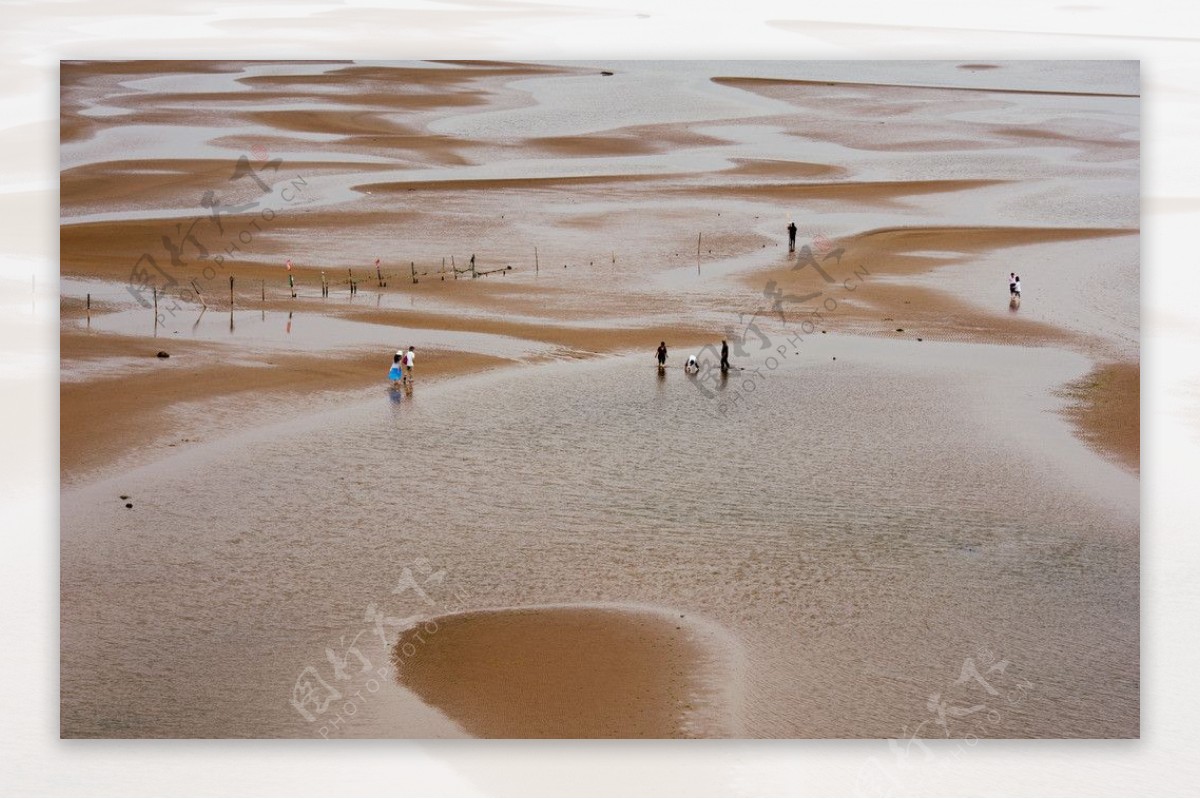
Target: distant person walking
column 791, row 236
column 395, row 374
column 661, row 355
column 724, row 357
column 1017, row 286
column 409, row 358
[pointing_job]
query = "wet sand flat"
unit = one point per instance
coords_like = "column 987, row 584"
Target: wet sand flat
column 835, row 518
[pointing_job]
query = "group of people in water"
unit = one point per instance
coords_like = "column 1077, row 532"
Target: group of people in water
column 401, row 372
column 693, row 363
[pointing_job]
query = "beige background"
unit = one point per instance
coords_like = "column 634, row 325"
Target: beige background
column 37, row 34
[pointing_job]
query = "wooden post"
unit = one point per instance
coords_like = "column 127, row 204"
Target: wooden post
column 156, row 310
column 473, row 266
column 231, row 293
column 199, row 294
column 453, row 267
column 698, row 237
column 89, row 304
column 264, row 290
column 413, row 266
column 535, row 261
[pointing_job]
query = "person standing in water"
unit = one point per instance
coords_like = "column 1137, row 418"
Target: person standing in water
column 791, row 236
column 662, row 355
column 724, row 357
column 1017, row 286
column 395, row 374
column 1012, row 284
column 409, row 358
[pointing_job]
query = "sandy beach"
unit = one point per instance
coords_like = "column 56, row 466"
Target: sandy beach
column 906, row 479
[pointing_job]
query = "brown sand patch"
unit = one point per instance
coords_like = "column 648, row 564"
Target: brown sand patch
column 1106, row 410
column 165, row 182
column 345, row 122
column 570, row 672
column 398, row 77
column 762, row 84
column 638, row 140
column 875, row 192
column 486, row 184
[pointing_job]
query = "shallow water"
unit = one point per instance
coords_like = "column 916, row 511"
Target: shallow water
column 863, row 526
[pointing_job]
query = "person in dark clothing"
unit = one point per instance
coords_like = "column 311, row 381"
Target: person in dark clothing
column 662, row 355
column 791, row 237
column 724, row 356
